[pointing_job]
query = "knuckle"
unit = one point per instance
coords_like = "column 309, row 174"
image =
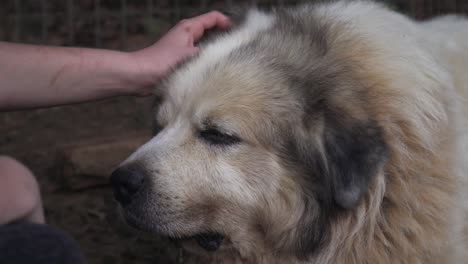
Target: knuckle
column 215, row 13
column 184, row 22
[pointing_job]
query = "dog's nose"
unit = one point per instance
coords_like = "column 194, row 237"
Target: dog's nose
column 126, row 183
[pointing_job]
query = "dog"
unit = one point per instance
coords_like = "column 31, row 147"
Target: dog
column 323, row 133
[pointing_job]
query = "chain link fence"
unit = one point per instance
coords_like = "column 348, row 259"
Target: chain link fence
column 131, row 24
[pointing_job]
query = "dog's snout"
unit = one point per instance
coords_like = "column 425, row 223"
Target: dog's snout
column 126, row 183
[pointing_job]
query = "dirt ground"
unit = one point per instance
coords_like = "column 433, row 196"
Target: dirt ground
column 82, row 204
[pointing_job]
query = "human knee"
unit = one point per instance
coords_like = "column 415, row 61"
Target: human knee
column 9, row 165
column 19, row 185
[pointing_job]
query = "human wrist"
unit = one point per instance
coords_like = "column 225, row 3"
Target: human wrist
column 130, row 77
column 145, row 72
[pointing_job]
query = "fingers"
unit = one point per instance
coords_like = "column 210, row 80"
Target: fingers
column 197, row 25
column 213, row 19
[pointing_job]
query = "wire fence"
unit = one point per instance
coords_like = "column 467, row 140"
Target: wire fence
column 131, row 24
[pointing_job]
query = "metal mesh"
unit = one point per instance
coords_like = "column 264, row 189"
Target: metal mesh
column 131, row 24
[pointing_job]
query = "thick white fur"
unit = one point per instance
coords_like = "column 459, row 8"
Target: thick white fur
column 192, row 75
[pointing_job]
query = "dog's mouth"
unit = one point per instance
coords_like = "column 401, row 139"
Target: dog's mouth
column 209, row 241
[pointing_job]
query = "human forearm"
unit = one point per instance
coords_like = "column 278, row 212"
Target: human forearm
column 35, row 76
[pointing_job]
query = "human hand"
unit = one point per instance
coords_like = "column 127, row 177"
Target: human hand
column 175, row 46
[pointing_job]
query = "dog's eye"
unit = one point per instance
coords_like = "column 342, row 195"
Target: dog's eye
column 216, row 137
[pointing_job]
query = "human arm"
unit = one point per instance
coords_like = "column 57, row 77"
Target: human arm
column 37, row 76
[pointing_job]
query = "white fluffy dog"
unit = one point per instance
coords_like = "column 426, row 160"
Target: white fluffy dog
column 328, row 133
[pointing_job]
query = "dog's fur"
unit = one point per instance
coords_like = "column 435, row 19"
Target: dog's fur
column 329, row 133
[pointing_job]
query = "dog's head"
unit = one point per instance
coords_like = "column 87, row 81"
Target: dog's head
column 265, row 137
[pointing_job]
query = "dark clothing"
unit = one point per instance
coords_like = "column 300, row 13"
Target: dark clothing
column 28, row 243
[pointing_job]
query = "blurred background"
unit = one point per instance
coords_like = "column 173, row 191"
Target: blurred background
column 72, row 149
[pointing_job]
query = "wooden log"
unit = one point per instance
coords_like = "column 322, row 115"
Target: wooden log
column 88, row 164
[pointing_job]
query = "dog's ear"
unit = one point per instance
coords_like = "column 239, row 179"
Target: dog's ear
column 345, row 164
column 353, row 156
column 336, row 173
